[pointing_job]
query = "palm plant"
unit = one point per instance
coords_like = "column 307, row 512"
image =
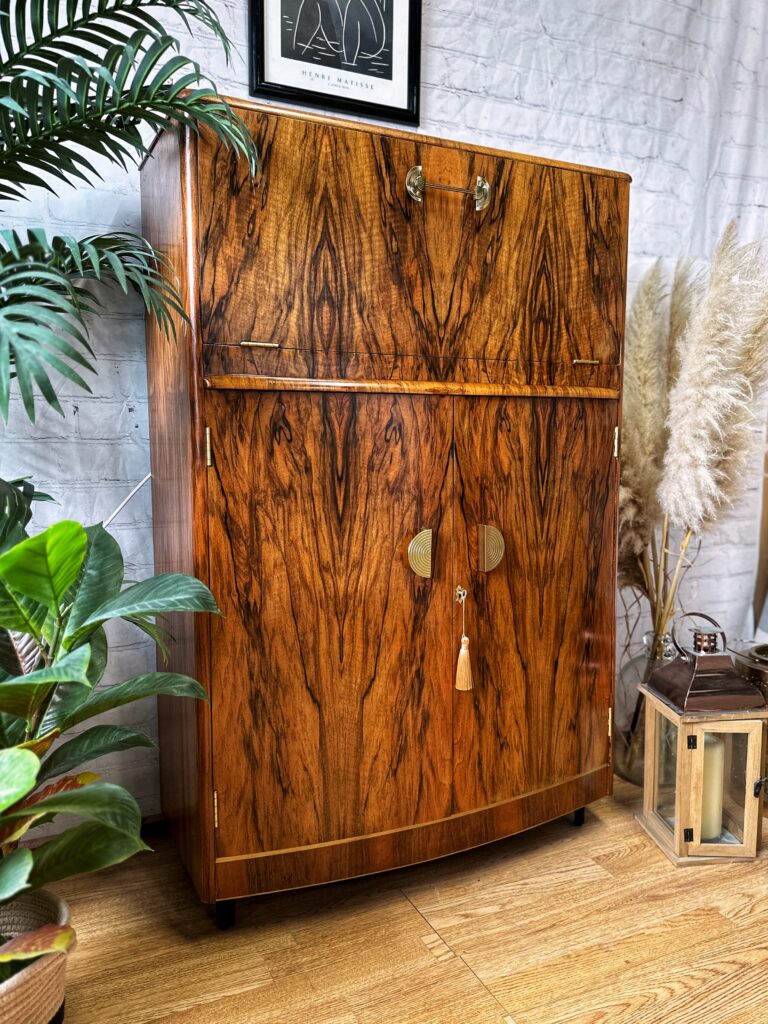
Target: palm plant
column 78, row 81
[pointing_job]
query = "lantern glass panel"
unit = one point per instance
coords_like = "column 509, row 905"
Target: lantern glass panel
column 666, row 770
column 724, row 787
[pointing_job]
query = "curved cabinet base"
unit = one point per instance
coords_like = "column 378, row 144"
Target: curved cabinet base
column 332, row 862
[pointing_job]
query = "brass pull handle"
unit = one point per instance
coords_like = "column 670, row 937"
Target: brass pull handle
column 420, row 554
column 491, row 547
column 416, row 185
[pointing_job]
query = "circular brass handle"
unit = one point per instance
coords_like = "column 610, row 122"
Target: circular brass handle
column 420, row 554
column 490, row 547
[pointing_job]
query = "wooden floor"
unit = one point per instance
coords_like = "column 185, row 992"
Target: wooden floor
column 585, row 926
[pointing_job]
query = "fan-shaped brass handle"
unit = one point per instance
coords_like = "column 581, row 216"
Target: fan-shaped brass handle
column 491, row 543
column 420, row 554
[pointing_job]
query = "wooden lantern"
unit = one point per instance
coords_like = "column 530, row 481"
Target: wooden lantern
column 704, row 755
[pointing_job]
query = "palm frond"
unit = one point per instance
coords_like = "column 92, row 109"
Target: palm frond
column 41, row 328
column 118, row 257
column 51, row 123
column 36, row 34
column 43, row 299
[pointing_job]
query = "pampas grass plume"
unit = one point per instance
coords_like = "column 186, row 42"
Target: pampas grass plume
column 643, row 414
column 723, row 366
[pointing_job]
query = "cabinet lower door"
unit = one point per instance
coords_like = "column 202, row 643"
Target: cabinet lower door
column 542, row 473
column 331, row 665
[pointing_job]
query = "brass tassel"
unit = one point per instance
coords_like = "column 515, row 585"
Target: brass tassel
column 464, row 664
column 464, row 667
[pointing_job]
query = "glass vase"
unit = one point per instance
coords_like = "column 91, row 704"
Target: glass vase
column 629, row 707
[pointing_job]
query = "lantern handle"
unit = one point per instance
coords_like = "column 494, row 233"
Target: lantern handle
column 696, row 615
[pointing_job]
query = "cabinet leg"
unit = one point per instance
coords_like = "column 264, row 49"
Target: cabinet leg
column 578, row 817
column 224, row 912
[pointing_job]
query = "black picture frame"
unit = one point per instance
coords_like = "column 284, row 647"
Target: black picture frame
column 259, row 86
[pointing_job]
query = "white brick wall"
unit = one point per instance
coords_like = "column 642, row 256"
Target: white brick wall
column 673, row 91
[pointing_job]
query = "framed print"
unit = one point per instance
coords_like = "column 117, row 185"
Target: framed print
column 356, row 56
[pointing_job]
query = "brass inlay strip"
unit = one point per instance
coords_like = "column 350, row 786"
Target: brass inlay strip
column 410, row 828
column 252, row 382
column 260, row 344
column 585, row 362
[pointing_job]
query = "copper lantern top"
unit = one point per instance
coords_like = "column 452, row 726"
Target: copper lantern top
column 705, row 678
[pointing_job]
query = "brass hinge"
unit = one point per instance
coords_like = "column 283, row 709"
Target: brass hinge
column 615, row 442
column 208, row 456
column 215, row 809
column 610, row 723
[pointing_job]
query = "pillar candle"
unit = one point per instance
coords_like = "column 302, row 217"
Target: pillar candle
column 712, row 787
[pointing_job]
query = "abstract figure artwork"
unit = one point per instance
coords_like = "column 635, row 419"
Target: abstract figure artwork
column 359, row 56
column 355, row 35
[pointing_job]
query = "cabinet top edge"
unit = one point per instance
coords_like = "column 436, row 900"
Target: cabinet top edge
column 409, row 136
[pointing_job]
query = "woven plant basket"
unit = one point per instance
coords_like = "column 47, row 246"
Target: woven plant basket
column 36, row 994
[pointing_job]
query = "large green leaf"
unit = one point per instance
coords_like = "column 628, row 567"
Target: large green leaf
column 99, row 654
column 72, row 695
column 16, row 497
column 11, row 730
column 99, row 582
column 66, row 714
column 169, row 592
column 10, row 659
column 44, row 567
column 50, row 938
column 90, row 745
column 18, row 772
column 23, row 695
column 20, row 613
column 14, row 872
column 100, row 801
column 153, row 629
column 84, row 848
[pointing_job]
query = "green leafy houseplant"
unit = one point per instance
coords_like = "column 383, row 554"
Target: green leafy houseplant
column 78, row 80
column 58, row 590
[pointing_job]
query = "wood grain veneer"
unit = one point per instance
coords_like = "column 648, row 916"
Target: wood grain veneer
column 340, row 723
column 405, row 366
column 540, row 623
column 538, row 275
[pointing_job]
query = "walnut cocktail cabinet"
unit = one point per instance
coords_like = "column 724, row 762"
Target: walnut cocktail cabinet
column 401, row 376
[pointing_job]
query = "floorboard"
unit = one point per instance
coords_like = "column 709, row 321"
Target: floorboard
column 560, row 925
